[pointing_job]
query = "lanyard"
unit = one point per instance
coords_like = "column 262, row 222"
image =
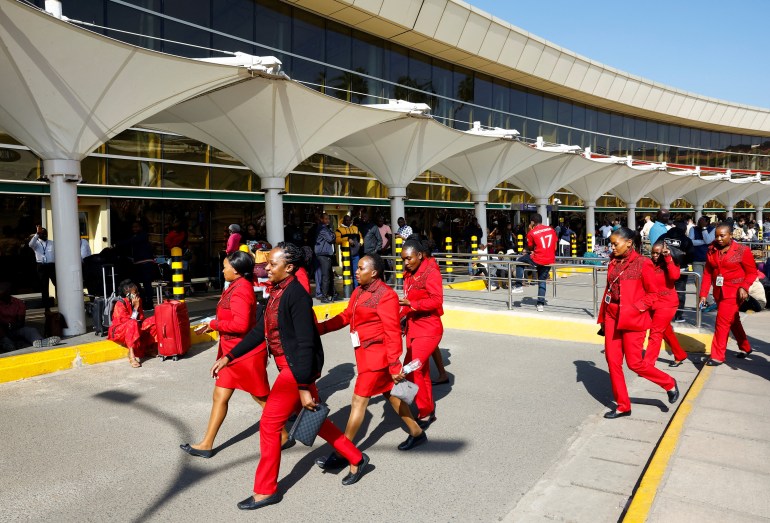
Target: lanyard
column 720, row 256
column 610, row 284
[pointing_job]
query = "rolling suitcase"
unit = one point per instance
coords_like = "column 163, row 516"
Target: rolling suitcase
column 101, row 308
column 173, row 327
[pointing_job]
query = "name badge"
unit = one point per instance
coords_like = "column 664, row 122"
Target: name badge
column 354, row 339
column 719, row 281
column 607, row 299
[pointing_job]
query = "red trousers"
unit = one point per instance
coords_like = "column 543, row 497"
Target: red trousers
column 282, row 402
column 618, row 343
column 728, row 320
column 660, row 330
column 421, row 348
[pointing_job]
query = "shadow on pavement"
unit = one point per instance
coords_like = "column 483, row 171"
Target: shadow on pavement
column 652, row 403
column 337, row 379
column 244, row 434
column 595, row 380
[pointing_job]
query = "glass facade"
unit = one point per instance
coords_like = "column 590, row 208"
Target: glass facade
column 355, row 66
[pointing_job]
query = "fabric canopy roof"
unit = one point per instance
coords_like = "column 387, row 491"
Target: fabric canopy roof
column 64, row 90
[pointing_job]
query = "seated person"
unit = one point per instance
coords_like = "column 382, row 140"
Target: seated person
column 12, row 328
column 129, row 326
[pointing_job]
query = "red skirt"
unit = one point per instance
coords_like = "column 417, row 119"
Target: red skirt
column 373, row 383
column 247, row 373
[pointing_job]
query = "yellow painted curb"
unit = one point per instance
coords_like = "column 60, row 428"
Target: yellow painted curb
column 644, row 496
column 471, row 285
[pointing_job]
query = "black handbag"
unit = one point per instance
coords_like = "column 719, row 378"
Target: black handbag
column 308, row 423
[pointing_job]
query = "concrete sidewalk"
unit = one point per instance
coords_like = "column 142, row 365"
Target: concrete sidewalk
column 713, row 463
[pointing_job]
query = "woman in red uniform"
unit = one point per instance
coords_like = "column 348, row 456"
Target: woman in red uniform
column 129, row 326
column 236, row 315
column 375, row 332
column 666, row 273
column 286, row 324
column 730, row 268
column 422, row 305
column 625, row 318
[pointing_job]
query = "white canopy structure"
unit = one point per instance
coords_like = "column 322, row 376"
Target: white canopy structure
column 637, row 186
column 483, row 168
column 271, row 124
column 63, row 92
column 397, row 152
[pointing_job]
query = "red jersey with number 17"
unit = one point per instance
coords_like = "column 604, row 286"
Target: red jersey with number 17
column 542, row 242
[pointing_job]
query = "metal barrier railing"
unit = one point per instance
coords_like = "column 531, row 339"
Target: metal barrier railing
column 509, row 263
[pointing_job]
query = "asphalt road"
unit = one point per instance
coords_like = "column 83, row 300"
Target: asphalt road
column 101, row 443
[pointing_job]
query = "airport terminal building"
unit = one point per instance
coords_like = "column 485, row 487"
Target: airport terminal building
column 465, row 64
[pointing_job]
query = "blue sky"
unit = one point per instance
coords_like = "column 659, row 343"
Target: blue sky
column 713, row 48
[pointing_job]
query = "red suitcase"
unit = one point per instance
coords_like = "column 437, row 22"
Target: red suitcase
column 173, row 327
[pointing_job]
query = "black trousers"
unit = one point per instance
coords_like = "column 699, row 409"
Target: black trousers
column 45, row 272
column 325, row 262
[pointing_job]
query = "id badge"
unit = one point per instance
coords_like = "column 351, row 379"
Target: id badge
column 607, row 299
column 354, row 339
column 719, row 281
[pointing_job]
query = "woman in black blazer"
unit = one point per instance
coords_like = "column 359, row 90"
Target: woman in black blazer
column 286, row 324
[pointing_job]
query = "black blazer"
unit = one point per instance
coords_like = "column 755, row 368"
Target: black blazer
column 300, row 340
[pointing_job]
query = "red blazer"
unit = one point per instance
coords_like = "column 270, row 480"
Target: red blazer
column 425, row 291
column 664, row 281
column 302, row 278
column 236, row 315
column 638, row 293
column 736, row 266
column 373, row 313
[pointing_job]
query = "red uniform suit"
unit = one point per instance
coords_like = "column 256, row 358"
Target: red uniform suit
column 372, row 313
column 137, row 334
column 631, row 292
column 738, row 271
column 425, row 292
column 663, row 311
column 236, row 315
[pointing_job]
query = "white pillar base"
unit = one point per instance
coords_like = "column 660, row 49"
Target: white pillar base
column 396, row 195
column 480, row 207
column 274, row 189
column 698, row 212
column 631, row 216
column 542, row 209
column 590, row 224
column 730, row 209
column 63, row 176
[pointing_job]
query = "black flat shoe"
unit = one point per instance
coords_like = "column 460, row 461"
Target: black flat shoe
column 413, row 441
column 424, row 423
column 673, row 395
column 713, row 363
column 196, row 452
column 289, row 444
column 353, row 478
column 676, row 363
column 615, row 414
column 331, row 462
column 742, row 355
column 250, row 504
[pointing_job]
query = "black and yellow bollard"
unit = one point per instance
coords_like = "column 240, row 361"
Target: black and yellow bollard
column 177, row 274
column 519, row 243
column 399, row 263
column 589, row 242
column 474, row 258
column 450, row 277
column 573, row 244
column 347, row 276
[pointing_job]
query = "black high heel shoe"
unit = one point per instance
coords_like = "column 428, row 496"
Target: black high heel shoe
column 424, row 423
column 677, row 363
column 196, row 452
column 353, row 478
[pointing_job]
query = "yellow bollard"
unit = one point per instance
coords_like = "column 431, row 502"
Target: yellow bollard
column 519, row 243
column 347, row 280
column 573, row 244
column 590, row 242
column 449, row 264
column 399, row 263
column 177, row 274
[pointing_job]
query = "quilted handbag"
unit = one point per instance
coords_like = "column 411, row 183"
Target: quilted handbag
column 308, row 423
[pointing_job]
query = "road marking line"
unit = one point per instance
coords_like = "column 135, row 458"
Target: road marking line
column 643, row 498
